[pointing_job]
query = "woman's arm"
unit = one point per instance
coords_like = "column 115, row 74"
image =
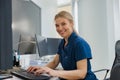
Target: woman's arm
column 54, row 63
column 80, row 73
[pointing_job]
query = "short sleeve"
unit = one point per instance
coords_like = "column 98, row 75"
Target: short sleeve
column 82, row 50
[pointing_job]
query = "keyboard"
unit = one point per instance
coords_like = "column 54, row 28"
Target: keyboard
column 30, row 76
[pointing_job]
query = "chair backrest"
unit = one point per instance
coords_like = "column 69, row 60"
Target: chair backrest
column 117, row 53
column 115, row 71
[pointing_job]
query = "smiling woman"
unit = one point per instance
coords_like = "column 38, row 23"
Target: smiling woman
column 73, row 53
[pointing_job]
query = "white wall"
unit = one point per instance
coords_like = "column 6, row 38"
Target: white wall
column 117, row 19
column 48, row 9
column 111, row 31
column 96, row 26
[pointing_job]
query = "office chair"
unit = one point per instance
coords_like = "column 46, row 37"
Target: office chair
column 101, row 70
column 115, row 71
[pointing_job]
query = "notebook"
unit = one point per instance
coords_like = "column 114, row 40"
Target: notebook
column 30, row 76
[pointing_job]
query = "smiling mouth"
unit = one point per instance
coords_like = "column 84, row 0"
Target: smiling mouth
column 62, row 32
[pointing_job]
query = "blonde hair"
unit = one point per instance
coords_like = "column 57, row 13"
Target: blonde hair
column 64, row 14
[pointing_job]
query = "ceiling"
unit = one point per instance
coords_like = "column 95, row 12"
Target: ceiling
column 63, row 2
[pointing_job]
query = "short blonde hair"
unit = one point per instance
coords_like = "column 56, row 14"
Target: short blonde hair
column 64, row 14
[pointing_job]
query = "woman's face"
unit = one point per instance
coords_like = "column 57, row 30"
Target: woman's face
column 64, row 27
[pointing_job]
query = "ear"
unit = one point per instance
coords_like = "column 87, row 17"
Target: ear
column 72, row 24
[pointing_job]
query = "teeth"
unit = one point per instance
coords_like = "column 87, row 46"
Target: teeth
column 62, row 31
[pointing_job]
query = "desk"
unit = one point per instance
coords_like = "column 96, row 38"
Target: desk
column 17, row 78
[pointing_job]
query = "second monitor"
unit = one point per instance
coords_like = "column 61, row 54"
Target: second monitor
column 47, row 46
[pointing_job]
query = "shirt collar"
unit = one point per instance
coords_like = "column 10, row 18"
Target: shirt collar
column 72, row 36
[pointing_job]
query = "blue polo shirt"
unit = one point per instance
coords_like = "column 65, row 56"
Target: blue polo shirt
column 77, row 49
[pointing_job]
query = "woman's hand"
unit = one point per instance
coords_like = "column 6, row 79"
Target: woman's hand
column 47, row 70
column 32, row 69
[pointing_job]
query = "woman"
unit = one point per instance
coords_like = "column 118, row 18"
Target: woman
column 74, row 53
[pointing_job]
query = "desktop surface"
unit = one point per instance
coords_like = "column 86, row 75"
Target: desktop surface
column 30, row 76
column 8, row 75
column 16, row 77
column 5, row 76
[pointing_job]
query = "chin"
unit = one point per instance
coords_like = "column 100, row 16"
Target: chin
column 63, row 35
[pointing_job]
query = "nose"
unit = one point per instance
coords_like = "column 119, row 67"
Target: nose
column 59, row 28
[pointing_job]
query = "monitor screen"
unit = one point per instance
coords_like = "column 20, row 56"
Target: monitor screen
column 47, row 46
column 41, row 45
column 52, row 44
column 26, row 45
column 26, row 19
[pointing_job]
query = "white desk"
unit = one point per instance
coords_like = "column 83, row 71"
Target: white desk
column 17, row 78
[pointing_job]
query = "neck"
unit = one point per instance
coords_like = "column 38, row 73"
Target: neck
column 66, row 42
column 66, row 39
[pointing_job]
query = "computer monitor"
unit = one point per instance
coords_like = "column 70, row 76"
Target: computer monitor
column 47, row 46
column 41, row 45
column 52, row 45
column 27, row 45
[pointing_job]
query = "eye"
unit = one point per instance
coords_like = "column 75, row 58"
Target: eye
column 63, row 24
column 56, row 25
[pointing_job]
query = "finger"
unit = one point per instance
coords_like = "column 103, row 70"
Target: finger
column 32, row 69
column 38, row 72
column 29, row 69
